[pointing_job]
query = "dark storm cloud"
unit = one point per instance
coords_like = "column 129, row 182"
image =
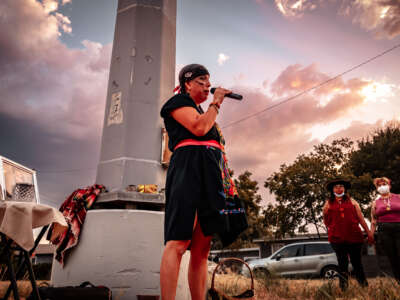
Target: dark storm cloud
column 32, row 145
column 51, row 97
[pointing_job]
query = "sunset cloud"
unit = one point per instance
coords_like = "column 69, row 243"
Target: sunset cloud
column 380, row 16
column 377, row 91
column 64, row 23
column 65, row 83
column 295, row 8
column 50, row 5
column 262, row 143
column 52, row 97
column 222, row 58
column 295, row 78
column 30, row 32
column 355, row 131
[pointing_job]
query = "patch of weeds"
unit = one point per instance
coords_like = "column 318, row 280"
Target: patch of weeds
column 326, row 291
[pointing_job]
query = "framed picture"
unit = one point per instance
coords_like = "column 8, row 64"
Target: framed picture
column 17, row 183
column 165, row 152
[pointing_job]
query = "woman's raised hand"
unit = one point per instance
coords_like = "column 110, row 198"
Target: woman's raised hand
column 219, row 95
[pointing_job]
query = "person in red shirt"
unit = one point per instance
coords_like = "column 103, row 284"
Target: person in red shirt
column 385, row 213
column 342, row 216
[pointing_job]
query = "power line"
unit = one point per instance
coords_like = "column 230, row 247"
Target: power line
column 312, row 88
column 261, row 111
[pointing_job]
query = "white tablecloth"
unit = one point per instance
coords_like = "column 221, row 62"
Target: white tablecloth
column 17, row 219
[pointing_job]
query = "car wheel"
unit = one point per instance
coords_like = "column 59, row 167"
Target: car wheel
column 330, row 272
column 261, row 273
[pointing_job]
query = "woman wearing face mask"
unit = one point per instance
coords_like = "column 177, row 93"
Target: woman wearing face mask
column 385, row 213
column 342, row 217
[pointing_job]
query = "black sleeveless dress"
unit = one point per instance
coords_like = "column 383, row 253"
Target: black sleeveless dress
column 194, row 181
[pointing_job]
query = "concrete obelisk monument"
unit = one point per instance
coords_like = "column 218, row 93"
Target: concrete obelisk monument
column 122, row 240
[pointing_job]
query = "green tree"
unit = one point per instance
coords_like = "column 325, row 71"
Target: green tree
column 378, row 155
column 281, row 220
column 248, row 193
column 299, row 188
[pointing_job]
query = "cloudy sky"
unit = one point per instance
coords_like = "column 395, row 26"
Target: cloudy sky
column 55, row 56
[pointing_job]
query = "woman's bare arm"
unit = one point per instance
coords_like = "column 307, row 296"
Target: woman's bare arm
column 198, row 124
column 325, row 212
column 373, row 217
column 362, row 221
column 360, row 215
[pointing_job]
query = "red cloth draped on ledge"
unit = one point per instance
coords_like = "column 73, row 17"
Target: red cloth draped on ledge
column 74, row 210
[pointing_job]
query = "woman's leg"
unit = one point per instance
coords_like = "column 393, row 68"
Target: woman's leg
column 199, row 251
column 389, row 237
column 396, row 263
column 355, row 259
column 343, row 261
column 169, row 270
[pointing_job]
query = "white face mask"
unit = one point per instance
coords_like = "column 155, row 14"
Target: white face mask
column 339, row 195
column 383, row 189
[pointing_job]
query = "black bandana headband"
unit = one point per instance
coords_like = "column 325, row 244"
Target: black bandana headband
column 190, row 72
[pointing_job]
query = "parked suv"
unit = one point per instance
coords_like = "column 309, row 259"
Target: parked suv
column 308, row 258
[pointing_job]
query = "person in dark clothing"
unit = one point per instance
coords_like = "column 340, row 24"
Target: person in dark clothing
column 342, row 217
column 194, row 187
column 385, row 214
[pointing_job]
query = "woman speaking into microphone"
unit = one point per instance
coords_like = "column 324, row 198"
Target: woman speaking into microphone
column 195, row 188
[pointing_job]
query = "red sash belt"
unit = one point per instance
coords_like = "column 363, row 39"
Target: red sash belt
column 191, row 142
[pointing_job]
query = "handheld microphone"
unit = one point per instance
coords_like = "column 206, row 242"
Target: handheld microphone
column 231, row 95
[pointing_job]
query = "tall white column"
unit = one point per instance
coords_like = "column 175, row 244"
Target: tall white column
column 142, row 76
column 122, row 248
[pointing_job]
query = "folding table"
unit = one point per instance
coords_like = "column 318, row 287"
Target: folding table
column 17, row 221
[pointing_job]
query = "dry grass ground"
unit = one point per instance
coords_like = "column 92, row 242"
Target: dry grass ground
column 279, row 288
column 24, row 288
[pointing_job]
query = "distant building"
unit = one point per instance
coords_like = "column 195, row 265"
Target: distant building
column 244, row 253
column 17, row 182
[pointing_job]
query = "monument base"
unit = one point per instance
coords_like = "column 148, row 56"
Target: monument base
column 130, row 200
column 120, row 249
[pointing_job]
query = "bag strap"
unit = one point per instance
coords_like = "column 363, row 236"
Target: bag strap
column 86, row 283
column 44, row 284
column 232, row 259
